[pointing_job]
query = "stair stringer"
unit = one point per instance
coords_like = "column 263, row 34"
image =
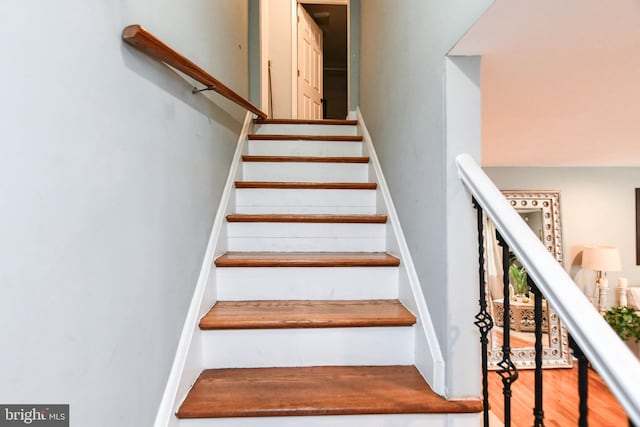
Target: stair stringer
column 187, row 362
column 428, row 355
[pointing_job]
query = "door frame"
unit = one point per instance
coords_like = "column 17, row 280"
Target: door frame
column 264, row 56
column 294, row 49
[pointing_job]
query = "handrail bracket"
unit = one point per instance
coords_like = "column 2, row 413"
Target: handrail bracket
column 196, row 90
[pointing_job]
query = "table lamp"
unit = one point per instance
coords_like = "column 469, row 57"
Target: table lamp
column 601, row 259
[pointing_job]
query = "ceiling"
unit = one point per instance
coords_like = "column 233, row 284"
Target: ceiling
column 560, row 82
column 566, row 25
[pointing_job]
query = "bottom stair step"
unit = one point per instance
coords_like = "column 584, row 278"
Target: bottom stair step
column 321, row 390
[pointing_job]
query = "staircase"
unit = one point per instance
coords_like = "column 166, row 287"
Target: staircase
column 311, row 314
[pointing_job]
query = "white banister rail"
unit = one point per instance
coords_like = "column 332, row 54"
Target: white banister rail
column 611, row 358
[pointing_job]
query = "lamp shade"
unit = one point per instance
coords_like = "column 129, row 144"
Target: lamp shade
column 601, row 258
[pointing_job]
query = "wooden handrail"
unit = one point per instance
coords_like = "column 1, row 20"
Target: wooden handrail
column 138, row 37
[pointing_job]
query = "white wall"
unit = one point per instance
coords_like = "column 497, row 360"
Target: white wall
column 597, row 208
column 254, row 53
column 110, row 176
column 278, row 26
column 403, row 48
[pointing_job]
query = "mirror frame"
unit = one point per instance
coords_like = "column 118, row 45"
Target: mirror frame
column 557, row 354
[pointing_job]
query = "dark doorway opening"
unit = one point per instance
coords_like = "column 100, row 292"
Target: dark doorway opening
column 332, row 19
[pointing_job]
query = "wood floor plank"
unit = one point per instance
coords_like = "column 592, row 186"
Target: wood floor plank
column 288, row 137
column 560, row 399
column 320, row 390
column 305, row 122
column 307, row 259
column 308, row 185
column 305, row 159
column 308, row 218
column 306, row 314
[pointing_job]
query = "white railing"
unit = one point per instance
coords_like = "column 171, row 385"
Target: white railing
column 611, row 358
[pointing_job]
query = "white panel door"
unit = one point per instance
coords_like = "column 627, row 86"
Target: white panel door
column 309, row 67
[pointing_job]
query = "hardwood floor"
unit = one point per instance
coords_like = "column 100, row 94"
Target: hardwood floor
column 560, row 399
column 518, row 339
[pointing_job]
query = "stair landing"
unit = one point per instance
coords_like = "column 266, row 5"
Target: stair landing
column 319, row 390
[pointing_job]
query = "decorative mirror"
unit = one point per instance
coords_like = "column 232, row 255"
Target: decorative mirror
column 541, row 210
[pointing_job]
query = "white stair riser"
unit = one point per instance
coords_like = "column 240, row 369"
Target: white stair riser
column 306, row 283
column 399, row 420
column 299, row 201
column 292, row 129
column 291, row 237
column 308, row 347
column 304, row 148
column 305, row 172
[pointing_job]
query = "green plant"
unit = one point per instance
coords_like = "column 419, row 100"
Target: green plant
column 625, row 321
column 518, row 277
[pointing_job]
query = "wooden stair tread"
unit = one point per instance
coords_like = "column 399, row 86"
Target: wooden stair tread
column 305, row 122
column 306, row 314
column 308, row 185
column 289, row 137
column 308, row 218
column 307, row 259
column 319, row 390
column 305, row 159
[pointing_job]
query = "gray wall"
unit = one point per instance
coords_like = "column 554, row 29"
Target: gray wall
column 110, row 177
column 402, row 57
column 462, row 130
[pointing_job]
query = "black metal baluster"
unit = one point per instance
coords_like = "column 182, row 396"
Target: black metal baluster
column 583, row 382
column 507, row 371
column 484, row 322
column 538, row 412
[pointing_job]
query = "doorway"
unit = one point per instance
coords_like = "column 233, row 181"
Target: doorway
column 310, row 67
column 332, row 20
column 274, row 59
